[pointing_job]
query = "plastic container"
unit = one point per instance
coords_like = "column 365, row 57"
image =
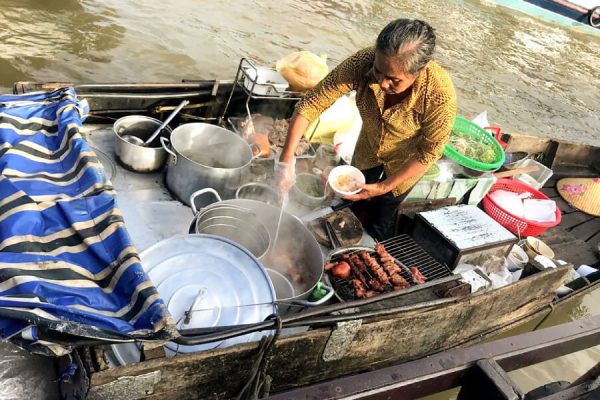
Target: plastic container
column 347, row 170
column 264, row 81
column 517, row 258
column 534, row 179
column 535, row 247
column 517, row 225
column 466, row 127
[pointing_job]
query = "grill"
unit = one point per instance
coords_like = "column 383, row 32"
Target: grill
column 405, row 250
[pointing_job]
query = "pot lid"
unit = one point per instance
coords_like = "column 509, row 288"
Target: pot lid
column 221, row 282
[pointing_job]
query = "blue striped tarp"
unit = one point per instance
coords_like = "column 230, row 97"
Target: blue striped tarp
column 68, row 270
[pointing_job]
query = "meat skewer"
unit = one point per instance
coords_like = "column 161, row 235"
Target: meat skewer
column 355, row 268
column 360, row 290
column 372, row 263
column 417, row 276
column 391, row 267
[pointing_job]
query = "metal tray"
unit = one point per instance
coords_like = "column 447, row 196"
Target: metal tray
column 234, row 122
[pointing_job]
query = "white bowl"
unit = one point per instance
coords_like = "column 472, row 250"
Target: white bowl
column 344, row 170
column 268, row 81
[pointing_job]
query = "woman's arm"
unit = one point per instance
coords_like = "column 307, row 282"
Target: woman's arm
column 298, row 126
column 409, row 170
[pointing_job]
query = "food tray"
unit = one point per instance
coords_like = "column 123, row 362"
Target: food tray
column 235, row 122
column 274, row 86
column 405, row 251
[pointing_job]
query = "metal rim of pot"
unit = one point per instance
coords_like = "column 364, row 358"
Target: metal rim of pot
column 305, row 198
column 239, row 193
column 300, row 229
column 254, row 238
column 169, row 146
column 191, row 157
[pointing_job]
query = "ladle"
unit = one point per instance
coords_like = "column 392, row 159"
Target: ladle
column 140, row 142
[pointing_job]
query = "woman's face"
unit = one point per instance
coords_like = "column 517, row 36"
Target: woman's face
column 389, row 75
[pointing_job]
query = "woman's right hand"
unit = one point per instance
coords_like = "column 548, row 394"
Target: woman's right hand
column 285, row 174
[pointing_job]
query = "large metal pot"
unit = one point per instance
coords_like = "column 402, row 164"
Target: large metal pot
column 204, row 155
column 234, row 223
column 135, row 157
column 258, row 191
column 296, row 256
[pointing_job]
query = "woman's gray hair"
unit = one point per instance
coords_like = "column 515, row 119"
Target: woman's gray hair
column 411, row 40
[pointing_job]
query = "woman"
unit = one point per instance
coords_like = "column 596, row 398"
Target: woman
column 408, row 106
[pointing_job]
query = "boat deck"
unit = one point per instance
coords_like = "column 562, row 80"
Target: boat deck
column 577, row 238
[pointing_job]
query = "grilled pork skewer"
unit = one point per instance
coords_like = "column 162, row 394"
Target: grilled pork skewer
column 417, row 276
column 375, row 268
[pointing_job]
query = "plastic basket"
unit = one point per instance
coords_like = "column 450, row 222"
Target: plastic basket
column 519, row 226
column 466, row 127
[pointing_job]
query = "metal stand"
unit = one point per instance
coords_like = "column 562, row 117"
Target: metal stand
column 242, row 77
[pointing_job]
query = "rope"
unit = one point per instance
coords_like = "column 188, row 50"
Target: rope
column 259, row 384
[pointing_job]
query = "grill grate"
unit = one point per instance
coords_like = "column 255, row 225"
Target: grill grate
column 404, row 249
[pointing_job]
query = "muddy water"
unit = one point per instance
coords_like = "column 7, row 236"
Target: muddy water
column 531, row 76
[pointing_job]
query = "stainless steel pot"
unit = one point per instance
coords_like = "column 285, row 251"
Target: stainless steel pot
column 204, row 155
column 296, row 256
column 135, row 157
column 304, row 181
column 258, row 191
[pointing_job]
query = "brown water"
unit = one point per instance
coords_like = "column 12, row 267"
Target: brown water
column 530, row 75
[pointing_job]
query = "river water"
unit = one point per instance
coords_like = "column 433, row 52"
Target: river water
column 530, row 75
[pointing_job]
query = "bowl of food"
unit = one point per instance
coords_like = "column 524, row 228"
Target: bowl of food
column 345, row 180
column 309, row 189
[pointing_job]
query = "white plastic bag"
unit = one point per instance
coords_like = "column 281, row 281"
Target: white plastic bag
column 509, row 201
column 539, row 210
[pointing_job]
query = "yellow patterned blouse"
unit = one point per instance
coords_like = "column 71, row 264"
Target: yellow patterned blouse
column 418, row 127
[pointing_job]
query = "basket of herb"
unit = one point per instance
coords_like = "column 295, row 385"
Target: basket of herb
column 473, row 148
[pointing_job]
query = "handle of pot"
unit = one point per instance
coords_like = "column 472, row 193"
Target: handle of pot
column 201, row 192
column 256, row 146
column 165, row 144
column 322, row 300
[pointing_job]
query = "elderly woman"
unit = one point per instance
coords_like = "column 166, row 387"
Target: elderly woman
column 408, row 106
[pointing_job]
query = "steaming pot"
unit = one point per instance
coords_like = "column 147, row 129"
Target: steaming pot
column 204, row 155
column 296, row 257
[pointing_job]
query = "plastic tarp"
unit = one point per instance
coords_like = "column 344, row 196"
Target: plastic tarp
column 68, row 270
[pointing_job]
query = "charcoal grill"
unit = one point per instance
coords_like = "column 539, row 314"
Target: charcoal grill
column 405, row 250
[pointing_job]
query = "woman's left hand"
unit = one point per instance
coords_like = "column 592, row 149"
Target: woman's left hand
column 369, row 191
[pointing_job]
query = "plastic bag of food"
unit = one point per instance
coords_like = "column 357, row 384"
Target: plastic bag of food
column 303, row 69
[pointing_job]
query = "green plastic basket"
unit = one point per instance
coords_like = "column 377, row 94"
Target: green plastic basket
column 466, row 127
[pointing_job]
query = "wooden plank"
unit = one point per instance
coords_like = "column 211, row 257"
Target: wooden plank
column 594, row 242
column 573, row 219
column 557, row 235
column 565, row 207
column 405, row 336
column 551, row 183
column 550, row 192
column 577, row 253
column 586, row 230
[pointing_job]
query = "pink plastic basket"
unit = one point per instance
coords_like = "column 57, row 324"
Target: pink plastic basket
column 519, row 226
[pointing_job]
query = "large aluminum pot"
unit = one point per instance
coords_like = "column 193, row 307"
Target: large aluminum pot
column 204, row 155
column 296, row 257
column 135, row 157
column 258, row 191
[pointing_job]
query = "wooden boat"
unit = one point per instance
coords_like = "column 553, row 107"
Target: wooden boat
column 581, row 15
column 420, row 322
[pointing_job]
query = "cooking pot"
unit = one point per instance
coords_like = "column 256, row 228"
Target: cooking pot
column 296, row 255
column 304, row 182
column 205, row 155
column 219, row 280
column 135, row 157
column 258, row 191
